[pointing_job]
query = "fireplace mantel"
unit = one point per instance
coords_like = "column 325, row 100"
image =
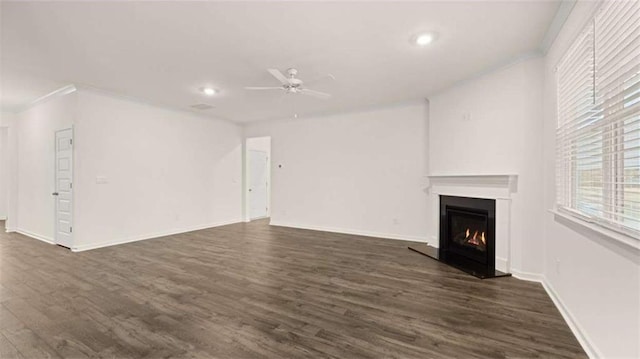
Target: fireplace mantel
column 499, row 187
column 496, row 186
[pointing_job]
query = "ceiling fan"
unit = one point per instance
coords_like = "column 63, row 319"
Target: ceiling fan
column 291, row 84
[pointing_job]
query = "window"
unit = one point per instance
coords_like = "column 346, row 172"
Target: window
column 598, row 134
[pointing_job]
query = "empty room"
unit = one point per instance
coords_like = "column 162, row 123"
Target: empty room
column 320, row 179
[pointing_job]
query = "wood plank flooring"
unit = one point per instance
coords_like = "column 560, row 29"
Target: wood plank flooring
column 255, row 291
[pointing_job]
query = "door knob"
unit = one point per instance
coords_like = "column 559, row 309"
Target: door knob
column 54, row 193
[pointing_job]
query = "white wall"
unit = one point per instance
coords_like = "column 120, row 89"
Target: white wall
column 359, row 172
column 35, row 130
column 492, row 125
column 165, row 171
column 596, row 279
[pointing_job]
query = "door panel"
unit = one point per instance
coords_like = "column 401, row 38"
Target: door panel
column 258, row 162
column 64, row 188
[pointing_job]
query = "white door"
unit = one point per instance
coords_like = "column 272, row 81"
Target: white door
column 64, row 188
column 258, row 192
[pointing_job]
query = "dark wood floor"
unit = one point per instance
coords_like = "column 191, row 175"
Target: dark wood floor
column 255, row 291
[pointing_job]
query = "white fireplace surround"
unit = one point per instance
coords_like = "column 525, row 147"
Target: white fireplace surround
column 491, row 186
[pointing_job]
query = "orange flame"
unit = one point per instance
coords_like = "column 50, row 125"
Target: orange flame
column 477, row 239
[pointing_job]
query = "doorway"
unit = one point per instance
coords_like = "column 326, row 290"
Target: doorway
column 4, row 175
column 258, row 177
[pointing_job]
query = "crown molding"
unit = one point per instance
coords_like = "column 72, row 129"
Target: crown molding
column 116, row 95
column 86, row 88
column 500, row 66
column 57, row 93
column 562, row 14
column 348, row 111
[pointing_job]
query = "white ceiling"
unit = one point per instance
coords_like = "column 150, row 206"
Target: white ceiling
column 163, row 52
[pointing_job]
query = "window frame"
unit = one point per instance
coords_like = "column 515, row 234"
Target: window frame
column 612, row 132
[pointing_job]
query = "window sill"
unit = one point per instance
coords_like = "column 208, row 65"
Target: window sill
column 613, row 235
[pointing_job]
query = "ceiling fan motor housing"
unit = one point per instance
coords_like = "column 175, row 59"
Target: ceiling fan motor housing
column 295, row 82
column 290, row 84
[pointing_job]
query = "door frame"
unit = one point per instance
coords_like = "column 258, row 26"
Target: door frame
column 55, row 185
column 4, row 161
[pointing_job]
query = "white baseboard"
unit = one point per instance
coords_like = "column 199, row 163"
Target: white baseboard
column 37, row 236
column 354, row 232
column 573, row 324
column 502, row 264
column 531, row 277
column 3, row 218
column 576, row 329
column 86, row 247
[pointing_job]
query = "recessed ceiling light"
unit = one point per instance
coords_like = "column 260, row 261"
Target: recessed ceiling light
column 209, row 91
column 424, row 38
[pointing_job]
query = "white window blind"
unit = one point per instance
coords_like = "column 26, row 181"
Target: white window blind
column 598, row 135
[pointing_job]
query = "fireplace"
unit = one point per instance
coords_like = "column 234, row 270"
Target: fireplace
column 467, row 234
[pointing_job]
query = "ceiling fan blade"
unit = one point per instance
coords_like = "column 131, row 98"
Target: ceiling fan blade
column 262, row 88
column 321, row 78
column 314, row 93
column 278, row 75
